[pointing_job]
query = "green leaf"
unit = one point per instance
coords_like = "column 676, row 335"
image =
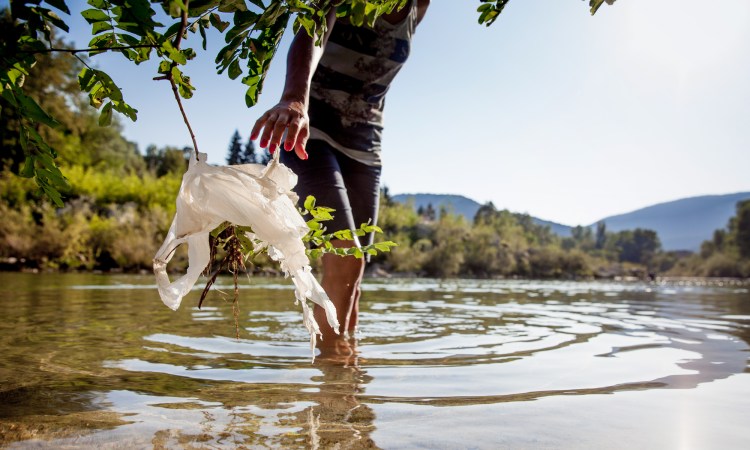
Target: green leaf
column 185, row 91
column 52, row 193
column 234, row 69
column 309, row 203
column 105, row 118
column 180, row 4
column 189, row 53
column 86, row 79
column 202, row 30
column 321, row 215
column 165, row 67
column 98, row 27
column 385, row 246
column 7, row 94
column 344, row 235
column 128, row 39
column 595, row 4
column 307, row 23
column 54, row 18
column 144, row 53
column 102, row 41
column 101, row 4
column 174, row 54
column 217, row 231
column 173, row 29
column 32, row 110
column 217, row 22
column 247, row 244
column 371, row 228
column 94, row 15
column 130, row 54
column 123, row 108
column 52, row 174
column 27, row 171
column 59, row 4
column 357, row 16
column 232, row 6
column 42, row 147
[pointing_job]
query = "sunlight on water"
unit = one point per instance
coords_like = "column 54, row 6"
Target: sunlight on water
column 92, row 361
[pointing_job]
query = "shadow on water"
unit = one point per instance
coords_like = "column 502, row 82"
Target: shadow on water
column 97, row 360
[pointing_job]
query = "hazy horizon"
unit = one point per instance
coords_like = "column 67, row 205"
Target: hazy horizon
column 395, row 194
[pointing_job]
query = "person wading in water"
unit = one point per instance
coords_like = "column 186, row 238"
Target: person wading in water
column 330, row 118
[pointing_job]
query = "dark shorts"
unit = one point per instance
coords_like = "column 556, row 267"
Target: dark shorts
column 339, row 182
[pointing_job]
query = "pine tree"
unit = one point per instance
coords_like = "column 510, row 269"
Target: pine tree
column 234, row 156
column 248, row 155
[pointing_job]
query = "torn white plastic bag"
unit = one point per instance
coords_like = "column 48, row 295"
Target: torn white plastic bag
column 253, row 195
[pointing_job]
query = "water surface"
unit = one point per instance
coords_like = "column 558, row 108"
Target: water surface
column 98, row 361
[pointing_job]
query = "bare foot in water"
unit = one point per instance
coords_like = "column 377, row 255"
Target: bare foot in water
column 341, row 351
column 341, row 281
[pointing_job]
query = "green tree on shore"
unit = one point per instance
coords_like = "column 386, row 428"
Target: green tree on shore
column 740, row 227
column 635, row 246
column 726, row 254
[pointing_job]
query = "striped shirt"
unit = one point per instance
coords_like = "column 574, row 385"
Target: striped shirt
column 347, row 94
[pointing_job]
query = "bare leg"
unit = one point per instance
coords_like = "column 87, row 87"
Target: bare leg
column 341, row 281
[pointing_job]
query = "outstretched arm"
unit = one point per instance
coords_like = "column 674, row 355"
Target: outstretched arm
column 290, row 114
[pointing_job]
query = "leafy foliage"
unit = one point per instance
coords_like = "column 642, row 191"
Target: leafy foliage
column 321, row 242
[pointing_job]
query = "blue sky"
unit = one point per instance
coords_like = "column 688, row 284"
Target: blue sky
column 550, row 111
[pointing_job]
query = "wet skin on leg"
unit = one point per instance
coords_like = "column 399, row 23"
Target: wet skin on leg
column 342, row 277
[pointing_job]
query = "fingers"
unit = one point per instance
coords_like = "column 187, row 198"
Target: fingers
column 258, row 126
column 299, row 146
column 268, row 128
column 272, row 125
column 278, row 132
column 291, row 134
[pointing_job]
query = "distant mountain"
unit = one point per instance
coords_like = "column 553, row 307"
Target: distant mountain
column 681, row 224
column 458, row 204
column 557, row 228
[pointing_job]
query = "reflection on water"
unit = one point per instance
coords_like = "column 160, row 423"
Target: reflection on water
column 96, row 361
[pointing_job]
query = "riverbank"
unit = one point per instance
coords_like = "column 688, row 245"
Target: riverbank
column 376, row 272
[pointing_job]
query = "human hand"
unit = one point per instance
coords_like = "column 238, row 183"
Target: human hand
column 289, row 116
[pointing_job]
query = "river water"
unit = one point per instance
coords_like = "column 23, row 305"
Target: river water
column 96, row 361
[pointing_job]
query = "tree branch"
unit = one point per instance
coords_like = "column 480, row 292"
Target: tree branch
column 182, row 110
column 168, row 76
column 82, row 50
column 183, row 26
